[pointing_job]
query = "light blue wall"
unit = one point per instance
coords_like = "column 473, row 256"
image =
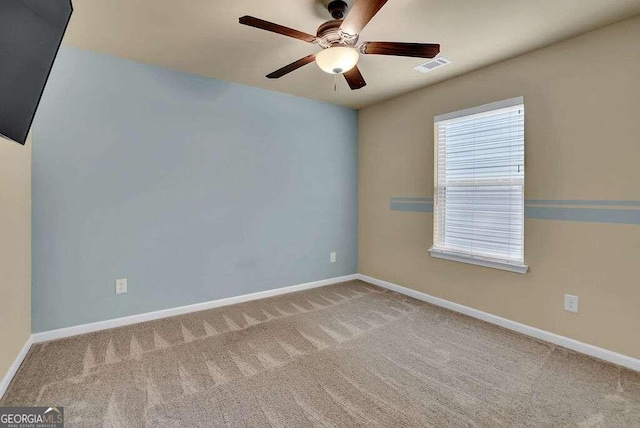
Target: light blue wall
column 192, row 188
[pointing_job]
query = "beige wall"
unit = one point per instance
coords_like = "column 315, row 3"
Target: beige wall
column 15, row 250
column 582, row 101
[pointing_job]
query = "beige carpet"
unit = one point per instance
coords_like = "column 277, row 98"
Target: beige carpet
column 344, row 355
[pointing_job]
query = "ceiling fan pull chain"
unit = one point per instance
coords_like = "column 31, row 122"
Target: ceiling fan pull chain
column 335, row 83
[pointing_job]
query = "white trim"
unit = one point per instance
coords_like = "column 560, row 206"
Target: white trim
column 13, row 369
column 584, row 348
column 511, row 102
column 575, row 345
column 496, row 264
column 134, row 319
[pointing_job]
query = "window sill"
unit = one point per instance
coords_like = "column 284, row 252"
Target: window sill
column 511, row 267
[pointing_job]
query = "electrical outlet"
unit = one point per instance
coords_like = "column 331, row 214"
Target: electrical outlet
column 121, row 286
column 571, row 303
column 333, row 257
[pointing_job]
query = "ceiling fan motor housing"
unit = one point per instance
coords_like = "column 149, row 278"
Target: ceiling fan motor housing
column 329, row 35
column 338, row 9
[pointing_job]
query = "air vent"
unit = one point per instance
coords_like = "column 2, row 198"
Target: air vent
column 432, row 65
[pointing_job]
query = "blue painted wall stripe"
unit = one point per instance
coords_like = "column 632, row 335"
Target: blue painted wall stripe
column 580, row 212
column 582, row 202
column 411, row 199
column 541, row 201
column 592, row 215
column 412, row 207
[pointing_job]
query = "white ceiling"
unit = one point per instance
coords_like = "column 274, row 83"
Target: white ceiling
column 204, row 37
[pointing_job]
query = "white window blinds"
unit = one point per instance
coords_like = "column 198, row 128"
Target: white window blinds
column 479, row 186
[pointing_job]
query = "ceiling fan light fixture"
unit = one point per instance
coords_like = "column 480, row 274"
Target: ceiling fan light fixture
column 337, row 59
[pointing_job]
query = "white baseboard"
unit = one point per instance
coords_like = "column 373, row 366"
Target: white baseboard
column 13, row 369
column 134, row 319
column 149, row 316
column 584, row 348
column 594, row 351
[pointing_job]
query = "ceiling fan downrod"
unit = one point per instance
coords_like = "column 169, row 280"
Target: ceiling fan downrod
column 338, row 9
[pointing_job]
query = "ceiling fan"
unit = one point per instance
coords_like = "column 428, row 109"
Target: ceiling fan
column 339, row 40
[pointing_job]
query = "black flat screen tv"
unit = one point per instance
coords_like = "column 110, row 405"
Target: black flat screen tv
column 30, row 35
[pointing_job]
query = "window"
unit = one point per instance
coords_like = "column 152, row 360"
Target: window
column 479, row 186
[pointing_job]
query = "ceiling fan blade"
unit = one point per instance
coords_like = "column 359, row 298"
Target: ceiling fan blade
column 275, row 28
column 292, row 67
column 418, row 50
column 360, row 14
column 355, row 79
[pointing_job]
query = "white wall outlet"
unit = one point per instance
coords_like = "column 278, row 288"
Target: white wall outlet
column 571, row 303
column 333, row 257
column 121, row 286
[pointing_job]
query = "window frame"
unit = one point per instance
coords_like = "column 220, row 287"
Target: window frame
column 468, row 258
